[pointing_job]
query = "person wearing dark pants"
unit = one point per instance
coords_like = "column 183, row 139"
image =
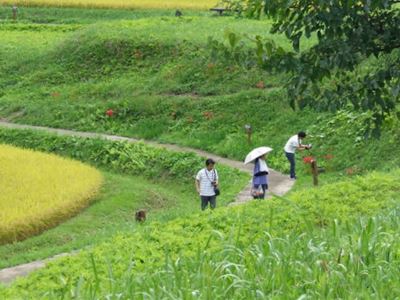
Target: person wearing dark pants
column 208, row 199
column 260, row 183
column 293, row 144
column 206, row 184
column 292, row 162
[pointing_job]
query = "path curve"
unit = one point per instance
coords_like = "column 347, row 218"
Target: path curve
column 279, row 184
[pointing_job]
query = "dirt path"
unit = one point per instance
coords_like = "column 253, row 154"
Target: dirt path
column 279, row 184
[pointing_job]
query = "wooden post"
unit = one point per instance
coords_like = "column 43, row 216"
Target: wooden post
column 14, row 11
column 314, row 171
column 249, row 131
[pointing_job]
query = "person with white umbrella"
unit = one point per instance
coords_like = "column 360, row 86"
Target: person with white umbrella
column 260, row 172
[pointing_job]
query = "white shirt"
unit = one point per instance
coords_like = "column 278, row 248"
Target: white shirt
column 292, row 144
column 206, row 178
column 263, row 165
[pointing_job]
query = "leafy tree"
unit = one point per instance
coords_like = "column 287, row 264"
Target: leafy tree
column 333, row 73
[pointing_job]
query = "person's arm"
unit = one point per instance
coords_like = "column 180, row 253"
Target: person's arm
column 301, row 147
column 197, row 183
column 216, row 178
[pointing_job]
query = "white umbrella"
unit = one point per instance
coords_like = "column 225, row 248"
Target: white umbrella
column 256, row 153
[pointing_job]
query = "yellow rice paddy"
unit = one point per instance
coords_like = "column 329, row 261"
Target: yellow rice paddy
column 39, row 190
column 127, row 4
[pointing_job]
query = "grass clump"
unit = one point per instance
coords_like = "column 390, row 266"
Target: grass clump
column 40, row 191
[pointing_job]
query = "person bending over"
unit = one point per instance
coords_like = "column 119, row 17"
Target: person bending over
column 293, row 144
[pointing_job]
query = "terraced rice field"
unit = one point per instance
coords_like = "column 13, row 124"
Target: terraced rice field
column 40, row 190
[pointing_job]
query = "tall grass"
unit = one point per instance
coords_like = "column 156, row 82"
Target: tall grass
column 278, row 247
column 351, row 261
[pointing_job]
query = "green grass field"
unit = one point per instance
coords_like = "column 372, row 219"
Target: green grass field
column 127, row 4
column 168, row 79
column 136, row 177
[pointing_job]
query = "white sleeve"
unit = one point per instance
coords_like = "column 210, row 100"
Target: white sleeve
column 198, row 177
column 295, row 143
column 216, row 175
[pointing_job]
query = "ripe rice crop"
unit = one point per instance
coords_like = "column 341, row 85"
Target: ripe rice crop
column 40, row 190
column 149, row 4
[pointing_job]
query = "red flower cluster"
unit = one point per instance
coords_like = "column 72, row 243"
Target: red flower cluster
column 308, row 159
column 109, row 112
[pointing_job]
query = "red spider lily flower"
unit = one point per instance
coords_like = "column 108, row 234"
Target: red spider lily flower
column 55, row 94
column 308, row 159
column 109, row 112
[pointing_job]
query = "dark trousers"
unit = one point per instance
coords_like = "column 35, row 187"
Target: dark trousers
column 292, row 161
column 208, row 199
column 264, row 188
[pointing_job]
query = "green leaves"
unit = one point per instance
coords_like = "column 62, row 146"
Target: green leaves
column 124, row 157
column 348, row 32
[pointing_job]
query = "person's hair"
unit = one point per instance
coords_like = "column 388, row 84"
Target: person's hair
column 210, row 161
column 302, row 134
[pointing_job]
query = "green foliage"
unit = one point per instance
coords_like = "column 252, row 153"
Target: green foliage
column 183, row 97
column 130, row 158
column 343, row 142
column 348, row 33
column 348, row 261
column 131, row 261
column 165, row 80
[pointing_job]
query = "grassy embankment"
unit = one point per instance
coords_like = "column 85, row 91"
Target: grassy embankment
column 136, row 176
column 162, row 84
column 158, row 77
column 280, row 247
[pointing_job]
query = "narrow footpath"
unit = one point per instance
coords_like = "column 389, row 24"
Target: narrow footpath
column 279, row 184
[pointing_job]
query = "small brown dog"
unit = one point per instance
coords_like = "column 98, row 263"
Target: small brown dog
column 140, row 215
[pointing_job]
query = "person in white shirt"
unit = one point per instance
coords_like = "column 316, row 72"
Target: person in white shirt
column 206, row 184
column 293, row 144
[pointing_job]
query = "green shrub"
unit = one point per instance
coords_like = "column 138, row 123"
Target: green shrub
column 124, row 157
